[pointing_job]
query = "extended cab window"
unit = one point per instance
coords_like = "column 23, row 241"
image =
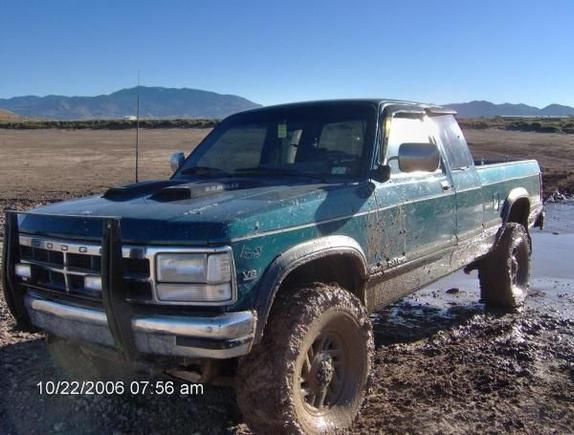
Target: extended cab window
column 453, row 142
column 404, row 129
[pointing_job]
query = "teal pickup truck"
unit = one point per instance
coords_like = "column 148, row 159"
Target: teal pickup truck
column 261, row 258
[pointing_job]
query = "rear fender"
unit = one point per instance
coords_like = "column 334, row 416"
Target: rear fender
column 517, row 197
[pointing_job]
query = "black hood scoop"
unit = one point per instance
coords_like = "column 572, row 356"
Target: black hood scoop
column 187, row 191
column 131, row 191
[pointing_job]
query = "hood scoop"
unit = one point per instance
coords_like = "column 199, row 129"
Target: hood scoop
column 197, row 190
column 131, row 191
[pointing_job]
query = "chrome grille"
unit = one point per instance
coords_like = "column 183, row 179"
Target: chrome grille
column 62, row 266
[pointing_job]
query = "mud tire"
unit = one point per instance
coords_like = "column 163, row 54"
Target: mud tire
column 270, row 387
column 504, row 273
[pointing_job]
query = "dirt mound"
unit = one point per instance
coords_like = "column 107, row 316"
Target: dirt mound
column 6, row 115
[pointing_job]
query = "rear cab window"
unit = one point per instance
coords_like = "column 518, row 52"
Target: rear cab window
column 453, row 142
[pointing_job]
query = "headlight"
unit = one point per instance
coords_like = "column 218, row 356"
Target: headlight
column 186, row 277
column 182, row 268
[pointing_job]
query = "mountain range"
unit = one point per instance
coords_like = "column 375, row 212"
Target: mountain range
column 486, row 109
column 155, row 102
column 160, row 102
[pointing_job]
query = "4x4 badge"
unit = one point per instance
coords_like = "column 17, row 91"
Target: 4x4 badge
column 251, row 253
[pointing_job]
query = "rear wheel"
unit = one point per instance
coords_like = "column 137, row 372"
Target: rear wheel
column 504, row 274
column 310, row 372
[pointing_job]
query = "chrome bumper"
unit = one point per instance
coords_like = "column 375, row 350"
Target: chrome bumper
column 222, row 336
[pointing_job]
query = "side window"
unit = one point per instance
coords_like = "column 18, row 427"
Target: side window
column 403, row 130
column 453, row 142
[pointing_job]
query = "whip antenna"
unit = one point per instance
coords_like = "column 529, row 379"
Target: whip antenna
column 138, row 128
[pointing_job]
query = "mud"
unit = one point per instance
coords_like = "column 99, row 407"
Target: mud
column 447, row 365
column 443, row 364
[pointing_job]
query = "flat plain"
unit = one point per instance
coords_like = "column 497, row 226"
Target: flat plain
column 47, row 161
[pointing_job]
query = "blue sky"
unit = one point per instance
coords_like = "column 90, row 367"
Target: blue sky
column 277, row 51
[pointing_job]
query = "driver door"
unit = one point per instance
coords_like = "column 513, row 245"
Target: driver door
column 426, row 199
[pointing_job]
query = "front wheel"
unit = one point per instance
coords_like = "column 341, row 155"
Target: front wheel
column 504, row 273
column 310, row 371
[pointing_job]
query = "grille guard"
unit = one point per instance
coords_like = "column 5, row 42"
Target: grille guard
column 13, row 292
column 118, row 311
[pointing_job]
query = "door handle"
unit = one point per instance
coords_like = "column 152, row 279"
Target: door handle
column 445, row 185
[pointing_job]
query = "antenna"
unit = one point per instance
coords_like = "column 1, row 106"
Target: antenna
column 138, row 128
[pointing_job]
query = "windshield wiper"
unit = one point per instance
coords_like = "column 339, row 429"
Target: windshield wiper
column 204, row 171
column 259, row 170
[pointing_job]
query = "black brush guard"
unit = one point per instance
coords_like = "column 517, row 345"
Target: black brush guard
column 118, row 311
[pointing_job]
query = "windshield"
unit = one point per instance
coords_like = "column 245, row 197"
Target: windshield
column 317, row 141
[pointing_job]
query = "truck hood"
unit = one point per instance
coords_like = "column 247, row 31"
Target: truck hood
column 197, row 212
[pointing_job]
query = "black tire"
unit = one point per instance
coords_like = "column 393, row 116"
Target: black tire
column 504, row 274
column 310, row 372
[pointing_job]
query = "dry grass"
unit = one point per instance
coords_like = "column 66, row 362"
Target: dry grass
column 554, row 152
column 79, row 160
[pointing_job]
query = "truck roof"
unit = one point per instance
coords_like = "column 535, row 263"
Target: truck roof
column 354, row 101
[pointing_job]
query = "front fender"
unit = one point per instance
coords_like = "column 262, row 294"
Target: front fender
column 295, row 257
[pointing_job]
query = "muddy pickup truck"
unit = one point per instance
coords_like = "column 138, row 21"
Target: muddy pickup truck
column 262, row 256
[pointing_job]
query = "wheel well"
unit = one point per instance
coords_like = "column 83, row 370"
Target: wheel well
column 345, row 270
column 519, row 212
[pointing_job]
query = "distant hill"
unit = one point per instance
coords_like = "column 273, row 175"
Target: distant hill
column 6, row 115
column 486, row 109
column 155, row 102
column 170, row 103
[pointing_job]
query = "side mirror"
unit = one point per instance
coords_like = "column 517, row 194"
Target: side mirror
column 382, row 173
column 418, row 157
column 176, row 160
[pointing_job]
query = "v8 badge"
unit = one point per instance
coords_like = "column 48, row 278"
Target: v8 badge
column 249, row 275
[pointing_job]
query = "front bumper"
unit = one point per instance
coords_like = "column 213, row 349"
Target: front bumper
column 227, row 335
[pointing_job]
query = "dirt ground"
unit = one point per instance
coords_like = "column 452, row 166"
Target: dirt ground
column 443, row 365
column 75, row 161
column 49, row 162
column 554, row 152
